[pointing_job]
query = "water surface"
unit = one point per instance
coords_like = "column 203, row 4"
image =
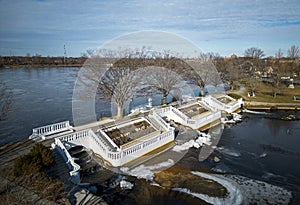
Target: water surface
column 260, row 147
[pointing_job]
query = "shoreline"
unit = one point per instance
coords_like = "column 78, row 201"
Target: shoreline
column 42, row 66
column 271, row 106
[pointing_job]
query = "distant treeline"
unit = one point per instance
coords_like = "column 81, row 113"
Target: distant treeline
column 39, row 61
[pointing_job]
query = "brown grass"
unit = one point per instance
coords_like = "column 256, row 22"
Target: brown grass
column 264, row 93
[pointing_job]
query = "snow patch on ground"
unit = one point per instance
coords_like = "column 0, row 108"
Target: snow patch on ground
column 197, row 143
column 146, row 172
column 235, row 118
column 125, row 184
column 156, row 184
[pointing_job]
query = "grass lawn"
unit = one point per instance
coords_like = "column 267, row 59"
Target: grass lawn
column 264, row 93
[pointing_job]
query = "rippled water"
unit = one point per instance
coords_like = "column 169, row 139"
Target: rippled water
column 264, row 148
column 260, row 147
column 40, row 96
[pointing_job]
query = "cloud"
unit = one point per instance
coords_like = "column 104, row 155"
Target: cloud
column 97, row 21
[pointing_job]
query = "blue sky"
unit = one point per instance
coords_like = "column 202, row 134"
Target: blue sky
column 226, row 27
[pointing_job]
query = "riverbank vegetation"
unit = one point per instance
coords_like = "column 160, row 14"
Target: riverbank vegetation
column 24, row 175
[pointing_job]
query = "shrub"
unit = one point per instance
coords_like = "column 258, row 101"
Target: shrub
column 37, row 160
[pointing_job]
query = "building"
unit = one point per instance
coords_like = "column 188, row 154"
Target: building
column 117, row 143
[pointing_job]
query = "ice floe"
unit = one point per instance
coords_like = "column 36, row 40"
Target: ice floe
column 259, row 192
column 243, row 190
column 227, row 151
column 255, row 112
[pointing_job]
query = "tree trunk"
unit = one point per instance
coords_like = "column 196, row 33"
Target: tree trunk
column 164, row 100
column 120, row 111
column 201, row 91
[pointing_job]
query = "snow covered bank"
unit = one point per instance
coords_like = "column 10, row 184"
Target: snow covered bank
column 235, row 118
column 146, row 172
column 234, row 197
column 202, row 139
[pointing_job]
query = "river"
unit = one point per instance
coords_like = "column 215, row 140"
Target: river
column 260, row 147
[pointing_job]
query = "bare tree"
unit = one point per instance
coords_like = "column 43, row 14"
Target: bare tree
column 254, row 52
column 5, row 100
column 120, row 75
column 162, row 80
column 279, row 54
column 277, row 72
column 120, row 84
column 293, row 52
column 203, row 73
column 90, row 52
column 209, row 57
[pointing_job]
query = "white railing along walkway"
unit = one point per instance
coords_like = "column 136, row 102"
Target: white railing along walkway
column 215, row 104
column 159, row 120
column 75, row 168
column 50, row 129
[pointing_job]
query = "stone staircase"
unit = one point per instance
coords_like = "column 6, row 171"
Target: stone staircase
column 86, row 198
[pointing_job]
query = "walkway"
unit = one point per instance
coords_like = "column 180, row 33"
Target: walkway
column 267, row 105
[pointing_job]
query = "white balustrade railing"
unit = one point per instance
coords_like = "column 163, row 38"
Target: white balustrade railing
column 50, row 129
column 107, row 138
column 160, row 121
column 88, row 138
column 163, row 111
column 217, row 105
column 179, row 114
column 204, row 120
column 100, row 143
column 75, row 168
column 75, row 135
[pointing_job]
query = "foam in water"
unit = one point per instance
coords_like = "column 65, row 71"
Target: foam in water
column 230, row 152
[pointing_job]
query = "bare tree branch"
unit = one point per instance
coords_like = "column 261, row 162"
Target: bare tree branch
column 161, row 79
column 254, row 52
column 293, row 52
